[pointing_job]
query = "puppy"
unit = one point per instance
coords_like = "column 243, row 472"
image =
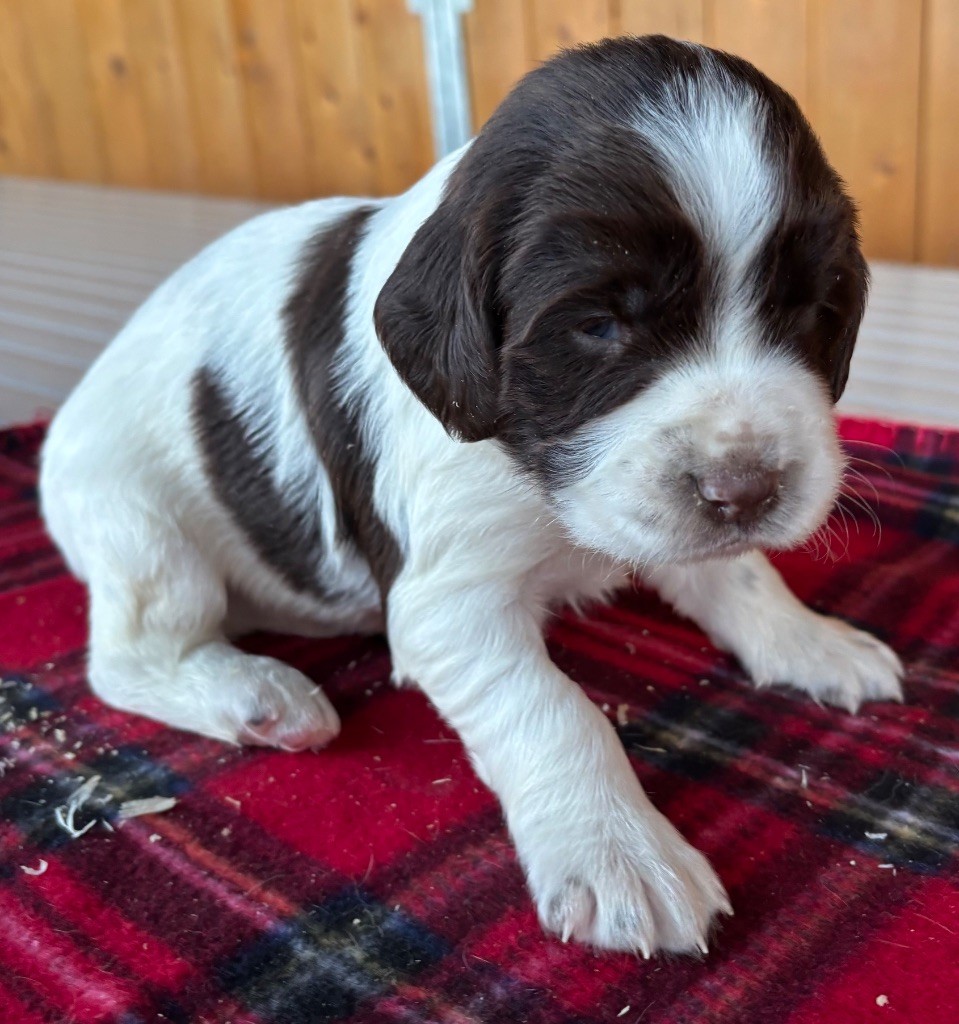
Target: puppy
column 602, row 340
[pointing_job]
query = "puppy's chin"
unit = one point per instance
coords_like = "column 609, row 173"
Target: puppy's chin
column 706, row 549
column 641, row 547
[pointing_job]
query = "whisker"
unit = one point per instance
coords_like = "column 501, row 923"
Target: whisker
column 860, row 502
column 845, row 518
column 829, row 535
column 845, row 527
column 860, row 476
column 813, row 544
column 882, row 447
column 869, row 464
column 827, row 538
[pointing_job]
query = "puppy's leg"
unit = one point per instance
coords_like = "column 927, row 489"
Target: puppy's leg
column 746, row 608
column 604, row 866
column 157, row 649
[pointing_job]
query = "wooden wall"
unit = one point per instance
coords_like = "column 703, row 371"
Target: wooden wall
column 291, row 98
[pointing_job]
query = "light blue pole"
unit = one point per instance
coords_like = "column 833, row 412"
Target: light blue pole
column 446, row 71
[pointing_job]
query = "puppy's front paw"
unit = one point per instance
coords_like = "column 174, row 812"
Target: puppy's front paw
column 829, row 659
column 631, row 885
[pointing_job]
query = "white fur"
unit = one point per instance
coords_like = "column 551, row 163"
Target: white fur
column 711, row 138
column 486, row 553
column 746, row 608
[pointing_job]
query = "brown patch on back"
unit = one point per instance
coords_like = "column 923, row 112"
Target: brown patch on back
column 315, row 316
column 287, row 538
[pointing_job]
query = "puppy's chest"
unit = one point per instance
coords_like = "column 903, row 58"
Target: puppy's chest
column 572, row 575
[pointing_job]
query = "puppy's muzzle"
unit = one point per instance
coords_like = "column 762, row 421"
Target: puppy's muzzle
column 741, row 495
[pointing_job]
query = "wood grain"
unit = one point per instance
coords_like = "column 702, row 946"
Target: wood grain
column 335, row 94
column 113, row 72
column 26, row 121
column 274, row 98
column 222, row 132
column 555, row 24
column 769, row 33
column 292, row 98
column 683, row 19
column 864, row 102
column 498, row 52
column 161, row 78
column 53, row 40
column 394, row 70
column 938, row 164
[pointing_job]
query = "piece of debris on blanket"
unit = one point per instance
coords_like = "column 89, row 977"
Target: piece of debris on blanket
column 148, row 805
column 66, row 813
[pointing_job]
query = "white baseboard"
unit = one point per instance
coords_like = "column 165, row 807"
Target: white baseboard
column 76, row 260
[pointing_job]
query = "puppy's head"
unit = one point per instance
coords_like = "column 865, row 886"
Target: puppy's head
column 644, row 281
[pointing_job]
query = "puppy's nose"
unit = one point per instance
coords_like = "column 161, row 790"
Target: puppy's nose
column 738, row 496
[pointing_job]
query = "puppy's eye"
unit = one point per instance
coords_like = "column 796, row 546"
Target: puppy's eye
column 605, row 328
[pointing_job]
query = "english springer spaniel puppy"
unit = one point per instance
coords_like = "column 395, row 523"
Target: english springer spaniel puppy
column 601, row 342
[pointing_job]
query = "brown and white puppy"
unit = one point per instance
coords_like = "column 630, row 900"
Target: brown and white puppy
column 602, row 340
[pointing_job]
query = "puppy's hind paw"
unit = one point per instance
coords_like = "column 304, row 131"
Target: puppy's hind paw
column 288, row 711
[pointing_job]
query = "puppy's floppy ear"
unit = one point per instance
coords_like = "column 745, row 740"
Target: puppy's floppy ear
column 435, row 319
column 847, row 303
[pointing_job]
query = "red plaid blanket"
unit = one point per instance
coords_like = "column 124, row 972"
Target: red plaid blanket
column 374, row 881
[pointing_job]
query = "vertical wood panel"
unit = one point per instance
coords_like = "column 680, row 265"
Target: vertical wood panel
column 161, row 78
column 52, row 36
column 938, row 227
column 268, row 67
column 26, row 127
column 288, row 98
column 556, row 24
column 864, row 102
column 769, row 33
column 340, row 133
column 112, row 71
column 684, row 19
column 220, row 118
column 497, row 50
column 391, row 49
